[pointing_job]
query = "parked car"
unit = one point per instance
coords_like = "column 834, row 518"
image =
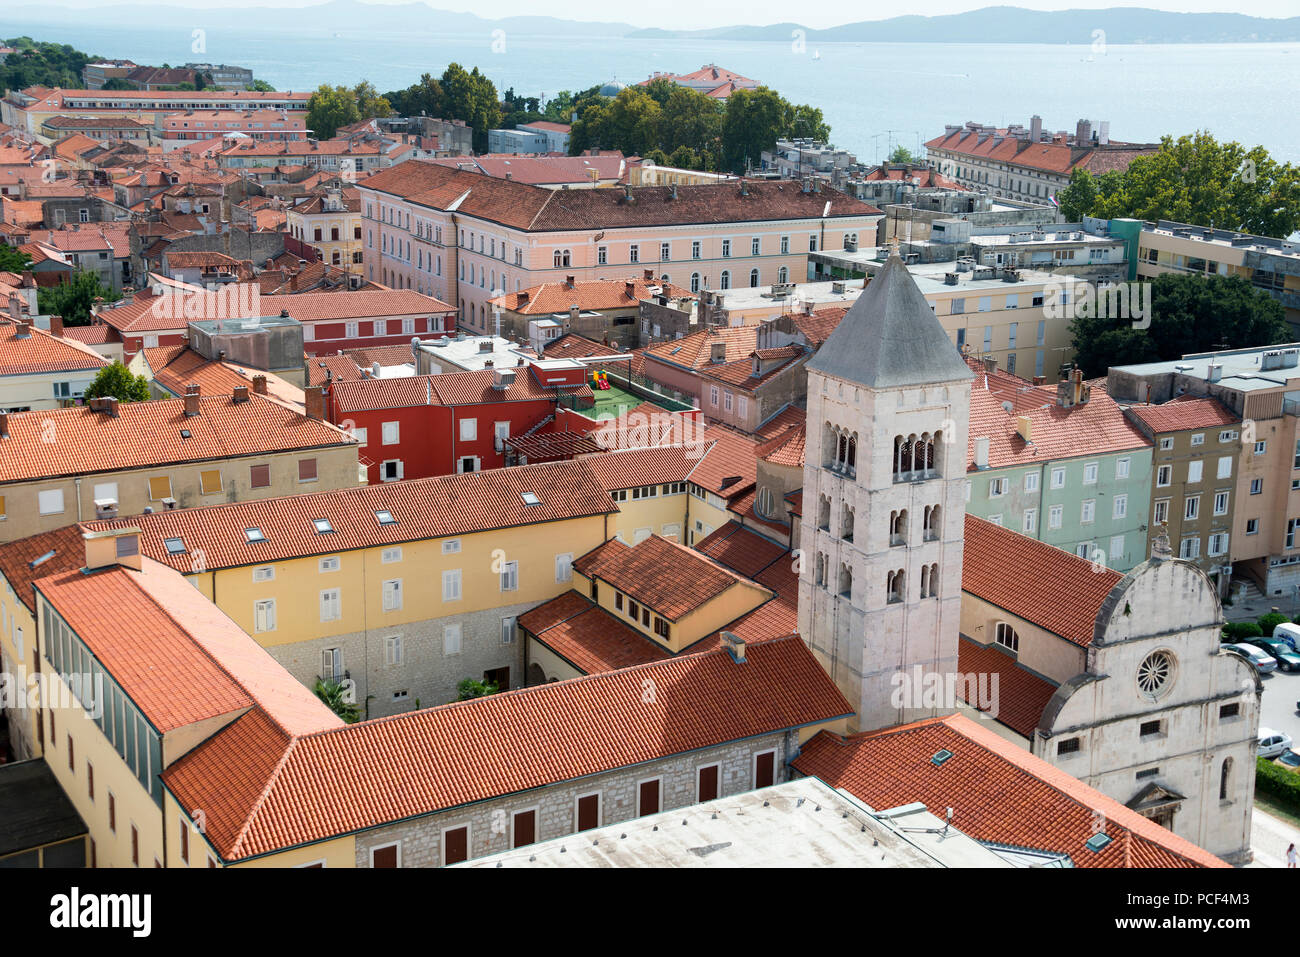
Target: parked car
column 1289, row 759
column 1272, row 743
column 1289, row 633
column 1286, row 659
column 1265, row 663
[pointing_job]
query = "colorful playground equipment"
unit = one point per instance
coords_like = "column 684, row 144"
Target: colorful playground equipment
column 599, row 379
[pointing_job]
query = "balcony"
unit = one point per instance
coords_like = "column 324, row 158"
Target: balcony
column 337, row 677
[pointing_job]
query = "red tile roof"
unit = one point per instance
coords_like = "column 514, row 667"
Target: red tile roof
column 1019, row 696
column 787, row 448
column 38, row 351
column 694, row 351
column 146, row 434
column 999, row 793
column 1098, row 427
column 16, row 557
column 588, row 637
column 439, row 507
column 632, row 468
column 535, row 208
column 362, row 304
column 262, row 791
column 573, row 346
column 1053, row 157
column 669, row 578
column 741, row 549
column 1035, row 581
column 1184, row 413
column 592, row 295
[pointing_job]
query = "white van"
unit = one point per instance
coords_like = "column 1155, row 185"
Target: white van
column 1288, row 632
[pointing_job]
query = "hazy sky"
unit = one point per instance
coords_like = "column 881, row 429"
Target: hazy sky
column 693, row 14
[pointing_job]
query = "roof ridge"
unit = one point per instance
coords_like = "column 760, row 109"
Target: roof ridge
column 272, row 780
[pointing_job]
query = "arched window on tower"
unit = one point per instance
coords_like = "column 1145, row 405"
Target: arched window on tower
column 930, row 527
column 846, row 581
column 846, row 523
column 894, row 584
column 824, row 513
column 1225, row 780
column 898, row 527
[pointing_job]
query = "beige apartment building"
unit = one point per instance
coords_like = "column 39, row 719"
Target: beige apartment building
column 109, row 459
column 1262, row 388
column 331, row 223
column 466, row 238
column 1196, row 448
column 1270, row 265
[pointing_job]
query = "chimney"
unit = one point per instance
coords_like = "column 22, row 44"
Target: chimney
column 1025, row 427
column 112, row 547
column 4, row 425
column 990, row 364
column 259, row 384
column 22, row 329
column 649, row 275
column 735, row 646
column 1040, row 380
column 315, row 397
column 568, row 281
column 717, row 352
column 240, row 394
column 574, row 313
column 982, row 452
column 192, row 399
column 56, row 326
column 523, row 298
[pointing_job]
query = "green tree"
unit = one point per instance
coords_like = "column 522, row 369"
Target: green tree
column 116, row 381
column 473, row 688
column 259, row 86
column 369, row 103
column 424, row 97
column 1080, row 197
column 633, row 121
column 689, row 119
column 117, row 83
column 1189, row 313
column 754, row 120
column 1267, row 623
column 73, row 300
column 335, row 697
column 472, row 97
column 1196, row 179
column 807, row 121
column 591, row 129
column 903, row 156
column 13, row 259
column 329, row 108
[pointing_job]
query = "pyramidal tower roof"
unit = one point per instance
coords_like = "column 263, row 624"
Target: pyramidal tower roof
column 891, row 337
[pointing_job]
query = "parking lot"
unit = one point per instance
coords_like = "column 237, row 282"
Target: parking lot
column 1277, row 707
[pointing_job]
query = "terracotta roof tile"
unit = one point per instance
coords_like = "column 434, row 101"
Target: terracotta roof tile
column 999, row 793
column 1097, row 427
column 148, row 434
column 632, row 468
column 68, row 550
column 439, row 507
column 362, row 304
column 588, row 637
column 471, row 751
column 1184, row 413
column 671, row 579
column 1035, row 581
column 38, row 351
column 741, row 549
column 1020, row 695
column 594, row 295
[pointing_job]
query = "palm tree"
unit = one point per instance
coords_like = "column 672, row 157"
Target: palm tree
column 336, row 698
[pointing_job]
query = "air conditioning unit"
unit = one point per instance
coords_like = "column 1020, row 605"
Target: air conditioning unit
column 105, row 508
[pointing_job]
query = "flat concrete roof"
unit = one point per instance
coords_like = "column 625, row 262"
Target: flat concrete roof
column 469, row 354
column 803, row 823
column 1241, row 368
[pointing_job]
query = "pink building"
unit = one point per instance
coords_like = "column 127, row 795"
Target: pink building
column 255, row 124
column 466, row 238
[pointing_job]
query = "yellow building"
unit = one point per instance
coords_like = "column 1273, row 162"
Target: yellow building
column 118, row 459
column 331, row 223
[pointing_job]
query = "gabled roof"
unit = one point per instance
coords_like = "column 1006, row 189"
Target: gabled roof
column 890, row 337
column 671, row 579
column 999, row 792
column 1042, row 584
column 262, row 790
column 535, row 208
column 360, row 304
column 1021, row 694
column 549, row 298
column 147, row 434
column 1183, row 413
column 1096, row 427
column 38, row 351
column 588, row 637
column 438, row 507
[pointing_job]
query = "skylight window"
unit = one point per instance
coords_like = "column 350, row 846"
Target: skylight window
column 530, row 498
column 322, row 525
column 185, row 433
column 174, row 546
column 1098, row 842
column 254, row 535
column 385, row 518
column 940, row 756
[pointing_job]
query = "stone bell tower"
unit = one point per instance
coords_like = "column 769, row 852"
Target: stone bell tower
column 884, row 499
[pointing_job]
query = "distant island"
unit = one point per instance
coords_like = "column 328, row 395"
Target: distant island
column 1121, row 25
